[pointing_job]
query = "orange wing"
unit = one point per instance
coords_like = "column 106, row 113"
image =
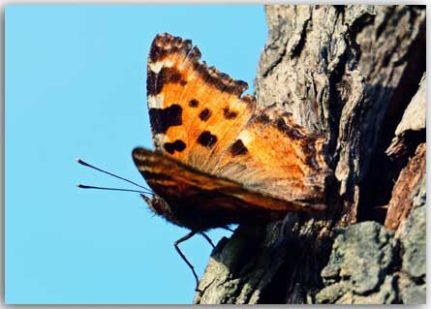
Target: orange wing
column 199, row 118
column 196, row 112
column 200, row 201
column 278, row 157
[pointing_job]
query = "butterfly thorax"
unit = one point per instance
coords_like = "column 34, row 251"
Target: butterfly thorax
column 181, row 216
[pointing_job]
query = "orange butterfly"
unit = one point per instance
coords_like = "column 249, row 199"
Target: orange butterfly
column 220, row 160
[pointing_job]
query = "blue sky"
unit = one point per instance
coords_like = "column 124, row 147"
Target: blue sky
column 75, row 87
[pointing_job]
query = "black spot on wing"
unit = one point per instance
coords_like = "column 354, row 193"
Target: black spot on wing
column 238, row 148
column 193, row 103
column 163, row 118
column 292, row 132
column 153, row 88
column 171, row 75
column 205, row 114
column 156, row 81
column 178, row 145
column 206, row 139
column 263, row 118
column 229, row 114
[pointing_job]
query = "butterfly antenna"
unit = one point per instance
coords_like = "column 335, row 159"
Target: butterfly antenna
column 82, row 162
column 111, row 189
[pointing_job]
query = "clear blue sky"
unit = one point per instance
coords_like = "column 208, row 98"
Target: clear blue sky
column 75, row 86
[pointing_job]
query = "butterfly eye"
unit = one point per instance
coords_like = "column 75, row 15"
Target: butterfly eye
column 160, row 206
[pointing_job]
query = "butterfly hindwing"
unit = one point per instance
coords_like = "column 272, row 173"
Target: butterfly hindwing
column 274, row 155
column 201, row 201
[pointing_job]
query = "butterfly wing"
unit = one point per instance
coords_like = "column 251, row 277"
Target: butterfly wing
column 199, row 118
column 275, row 155
column 196, row 111
column 200, row 201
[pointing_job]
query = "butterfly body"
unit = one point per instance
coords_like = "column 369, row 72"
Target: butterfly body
column 219, row 159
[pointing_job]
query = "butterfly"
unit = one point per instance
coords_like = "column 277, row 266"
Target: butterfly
column 219, row 159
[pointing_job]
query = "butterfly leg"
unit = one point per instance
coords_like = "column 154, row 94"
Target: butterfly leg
column 184, row 238
column 208, row 239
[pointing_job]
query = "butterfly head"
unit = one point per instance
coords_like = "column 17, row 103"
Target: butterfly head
column 158, row 205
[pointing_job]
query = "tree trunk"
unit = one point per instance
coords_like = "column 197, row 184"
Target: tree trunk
column 357, row 74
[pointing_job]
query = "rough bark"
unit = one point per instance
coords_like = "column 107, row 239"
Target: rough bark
column 353, row 73
column 405, row 189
